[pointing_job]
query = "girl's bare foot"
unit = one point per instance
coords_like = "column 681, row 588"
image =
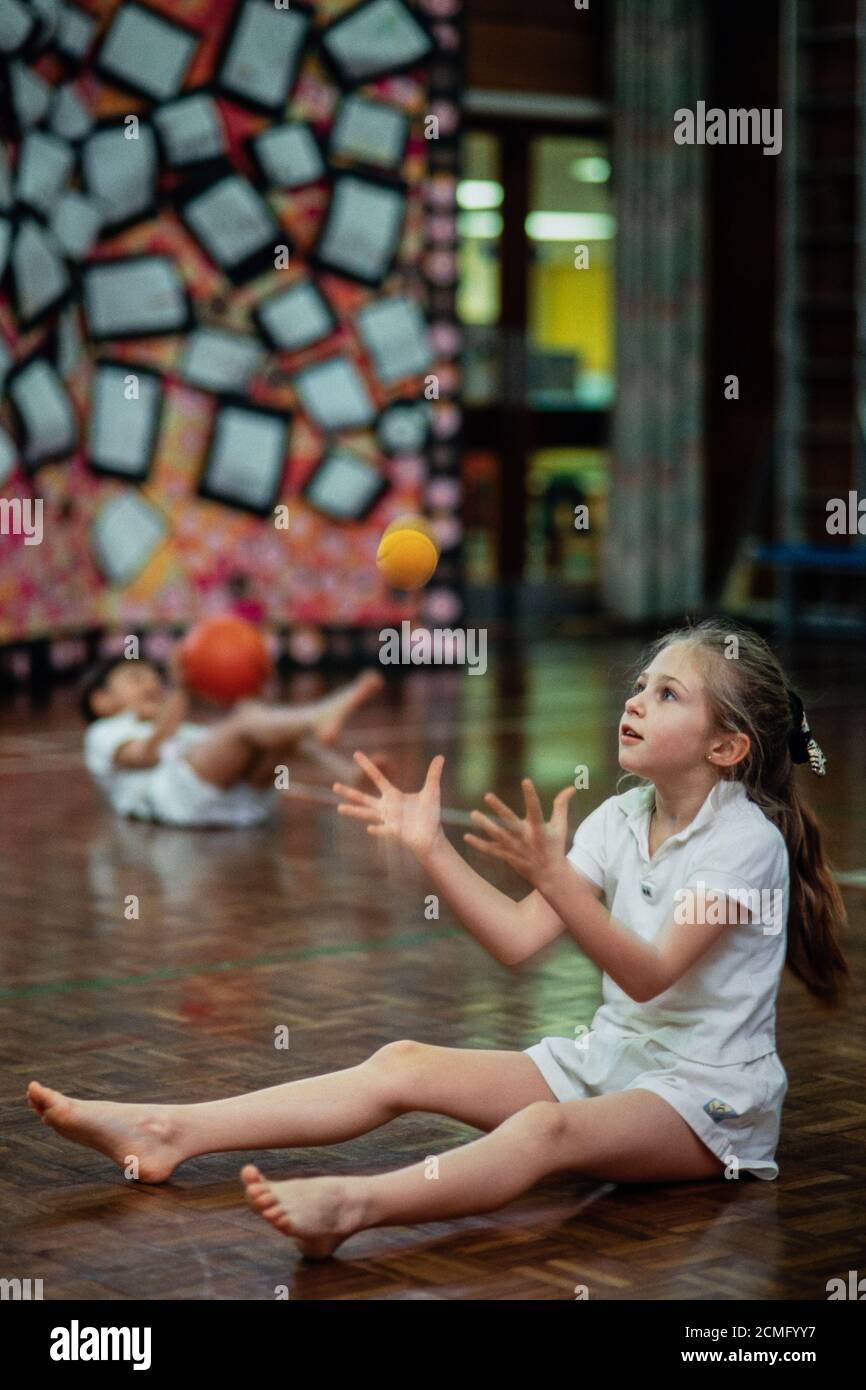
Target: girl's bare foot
column 141, row 1139
column 320, row 1213
column 337, row 708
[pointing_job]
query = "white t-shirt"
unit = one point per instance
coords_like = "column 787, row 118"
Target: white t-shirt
column 128, row 789
column 723, row 1009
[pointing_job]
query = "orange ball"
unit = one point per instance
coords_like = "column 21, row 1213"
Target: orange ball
column 408, row 553
column 225, row 658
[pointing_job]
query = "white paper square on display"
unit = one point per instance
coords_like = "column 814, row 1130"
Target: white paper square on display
column 296, row 318
column 44, row 165
column 128, row 298
column 16, row 25
column 43, row 403
column 70, row 117
column 394, row 332
column 127, row 532
column 75, row 31
column 263, row 53
column 41, row 278
column 378, row 38
column 335, row 395
column 343, row 486
column 369, row 131
column 121, row 431
column 31, row 94
column 216, row 360
column 144, row 51
column 289, row 155
column 75, row 224
column 119, row 173
column 247, row 458
column 363, row 227
column 191, row 129
column 231, row 221
column 403, row 428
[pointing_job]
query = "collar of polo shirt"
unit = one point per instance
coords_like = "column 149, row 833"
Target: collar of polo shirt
column 636, row 803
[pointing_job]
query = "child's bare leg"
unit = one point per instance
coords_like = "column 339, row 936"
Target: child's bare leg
column 337, row 708
column 630, row 1136
column 264, row 770
column 478, row 1087
column 482, row 1176
column 233, row 748
column 228, row 754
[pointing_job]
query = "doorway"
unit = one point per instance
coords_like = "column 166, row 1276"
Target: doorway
column 536, row 299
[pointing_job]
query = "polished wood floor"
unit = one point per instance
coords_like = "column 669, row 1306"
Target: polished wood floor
column 310, row 925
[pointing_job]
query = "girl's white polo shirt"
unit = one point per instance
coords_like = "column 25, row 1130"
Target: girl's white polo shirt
column 723, row 1009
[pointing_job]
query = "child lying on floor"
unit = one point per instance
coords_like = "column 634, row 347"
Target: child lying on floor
column 152, row 765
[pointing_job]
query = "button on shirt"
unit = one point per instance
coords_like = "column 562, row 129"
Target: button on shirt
column 723, row 1009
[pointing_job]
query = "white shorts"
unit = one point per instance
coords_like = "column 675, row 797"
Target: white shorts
column 735, row 1109
column 176, row 795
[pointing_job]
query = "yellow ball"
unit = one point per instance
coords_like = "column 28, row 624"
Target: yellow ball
column 408, row 553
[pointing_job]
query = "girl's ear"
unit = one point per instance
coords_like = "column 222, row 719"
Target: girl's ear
column 730, row 749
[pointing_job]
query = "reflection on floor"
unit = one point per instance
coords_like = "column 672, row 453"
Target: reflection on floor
column 309, row 924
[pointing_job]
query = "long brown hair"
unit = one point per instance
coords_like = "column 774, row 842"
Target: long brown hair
column 748, row 693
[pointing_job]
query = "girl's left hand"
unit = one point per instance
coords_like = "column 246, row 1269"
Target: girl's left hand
column 532, row 846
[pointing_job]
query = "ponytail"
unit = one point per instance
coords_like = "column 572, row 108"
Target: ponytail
column 817, row 913
column 750, row 695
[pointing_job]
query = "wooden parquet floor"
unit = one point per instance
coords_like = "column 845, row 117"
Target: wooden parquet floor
column 311, row 925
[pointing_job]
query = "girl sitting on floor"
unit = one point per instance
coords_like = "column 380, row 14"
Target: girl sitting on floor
column 678, row 1078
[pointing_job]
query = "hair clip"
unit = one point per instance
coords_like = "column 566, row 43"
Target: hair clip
column 801, row 744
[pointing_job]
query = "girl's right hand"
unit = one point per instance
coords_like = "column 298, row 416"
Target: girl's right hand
column 412, row 818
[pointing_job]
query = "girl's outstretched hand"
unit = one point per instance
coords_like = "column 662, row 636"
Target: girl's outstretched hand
column 532, row 846
column 410, row 817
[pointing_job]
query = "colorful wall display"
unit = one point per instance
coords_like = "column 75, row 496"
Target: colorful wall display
column 228, row 256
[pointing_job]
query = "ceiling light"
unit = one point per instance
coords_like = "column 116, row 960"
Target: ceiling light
column 480, row 226
column 590, row 169
column 476, row 195
column 570, row 226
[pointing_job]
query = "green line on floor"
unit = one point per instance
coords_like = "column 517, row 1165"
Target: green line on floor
column 180, row 972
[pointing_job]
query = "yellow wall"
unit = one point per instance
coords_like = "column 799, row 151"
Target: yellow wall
column 572, row 309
